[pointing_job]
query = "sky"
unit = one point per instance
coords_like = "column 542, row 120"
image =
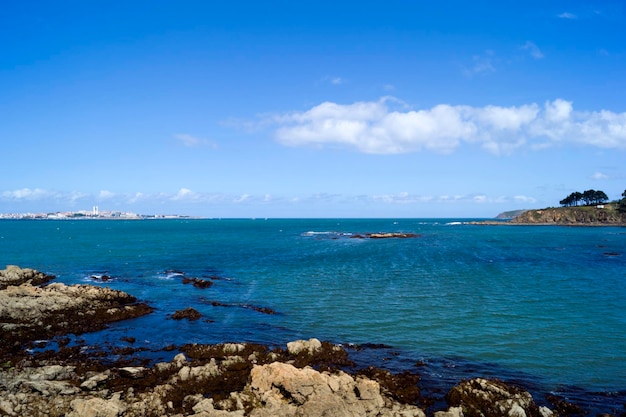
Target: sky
column 340, row 109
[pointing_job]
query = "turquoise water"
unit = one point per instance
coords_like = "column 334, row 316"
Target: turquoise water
column 535, row 300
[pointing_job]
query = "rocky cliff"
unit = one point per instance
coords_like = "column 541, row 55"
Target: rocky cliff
column 585, row 216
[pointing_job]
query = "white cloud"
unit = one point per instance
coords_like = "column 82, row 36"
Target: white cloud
column 599, row 176
column 533, row 49
column 242, row 198
column 105, row 195
column 567, row 15
column 28, row 194
column 134, row 198
column 334, row 80
column 375, row 128
column 481, row 64
column 404, row 198
column 524, row 199
column 190, row 141
column 184, row 194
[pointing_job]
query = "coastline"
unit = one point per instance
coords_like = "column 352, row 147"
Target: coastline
column 568, row 224
column 74, row 381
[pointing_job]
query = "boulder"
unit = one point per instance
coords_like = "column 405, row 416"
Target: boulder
column 481, row 397
column 285, row 390
column 188, row 313
column 311, row 346
column 96, row 407
column 134, row 372
column 14, row 275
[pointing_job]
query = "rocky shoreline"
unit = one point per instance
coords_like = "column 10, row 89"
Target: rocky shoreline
column 304, row 378
column 29, row 312
column 603, row 215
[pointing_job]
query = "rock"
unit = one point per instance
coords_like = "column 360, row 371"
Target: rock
column 95, row 407
column 93, row 381
column 30, row 313
column 385, row 235
column 311, row 346
column 13, row 275
column 51, row 388
column 285, row 390
column 491, row 398
column 134, row 372
column 180, row 360
column 188, row 313
column 52, row 372
column 233, row 347
column 392, row 235
column 452, row 412
column 545, row 412
column 198, row 282
column 581, row 215
column 204, row 406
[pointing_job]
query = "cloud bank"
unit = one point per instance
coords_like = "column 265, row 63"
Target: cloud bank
column 376, row 128
column 61, row 200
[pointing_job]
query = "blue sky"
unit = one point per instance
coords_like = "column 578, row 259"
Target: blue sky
column 323, row 109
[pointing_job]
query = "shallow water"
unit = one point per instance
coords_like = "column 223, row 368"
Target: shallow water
column 542, row 303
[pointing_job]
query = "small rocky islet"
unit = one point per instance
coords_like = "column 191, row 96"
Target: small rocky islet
column 304, row 378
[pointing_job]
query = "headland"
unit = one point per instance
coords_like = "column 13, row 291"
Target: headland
column 596, row 215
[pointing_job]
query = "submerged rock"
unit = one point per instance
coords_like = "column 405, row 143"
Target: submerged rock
column 188, row 313
column 198, row 282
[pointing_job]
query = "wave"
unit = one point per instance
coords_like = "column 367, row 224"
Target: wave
column 326, row 234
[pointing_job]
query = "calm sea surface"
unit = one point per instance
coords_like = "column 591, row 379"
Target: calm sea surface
column 541, row 304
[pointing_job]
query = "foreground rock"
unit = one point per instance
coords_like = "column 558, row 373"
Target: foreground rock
column 483, row 397
column 29, row 313
column 236, row 380
column 14, row 275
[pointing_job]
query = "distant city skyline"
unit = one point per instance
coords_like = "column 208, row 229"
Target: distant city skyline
column 94, row 213
column 282, row 109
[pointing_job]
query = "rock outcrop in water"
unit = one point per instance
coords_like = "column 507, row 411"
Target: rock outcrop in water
column 14, row 275
column 385, row 235
column 28, row 312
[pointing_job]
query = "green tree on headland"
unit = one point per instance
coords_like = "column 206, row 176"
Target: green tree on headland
column 588, row 197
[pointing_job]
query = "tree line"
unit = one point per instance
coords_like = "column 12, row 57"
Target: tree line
column 588, row 197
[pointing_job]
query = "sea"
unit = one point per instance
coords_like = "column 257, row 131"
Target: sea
column 540, row 306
